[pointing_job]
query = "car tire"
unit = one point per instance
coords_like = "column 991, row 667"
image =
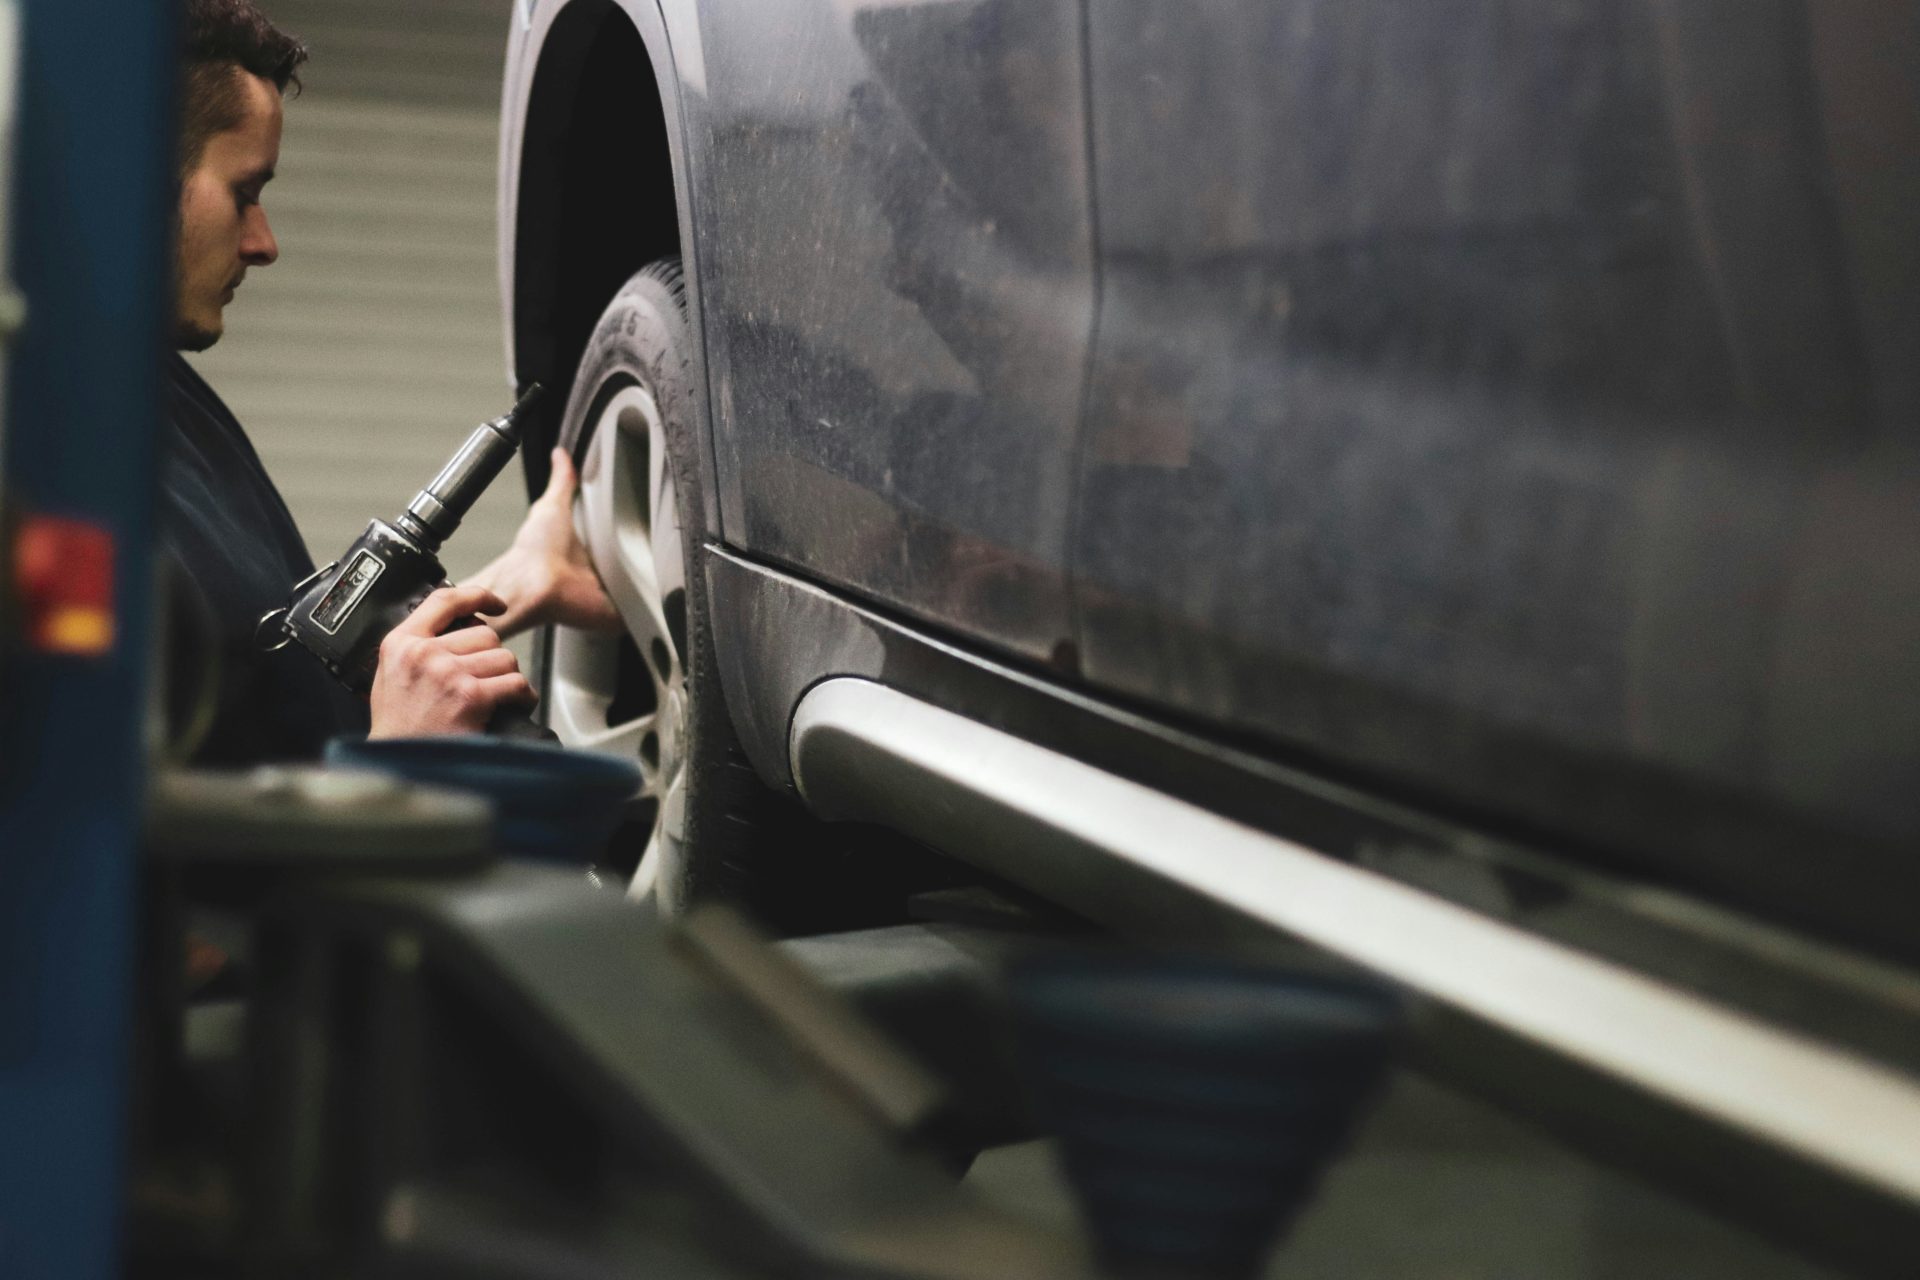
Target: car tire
column 720, row 834
column 704, row 822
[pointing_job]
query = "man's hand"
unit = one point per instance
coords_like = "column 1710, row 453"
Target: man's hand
column 430, row 683
column 545, row 576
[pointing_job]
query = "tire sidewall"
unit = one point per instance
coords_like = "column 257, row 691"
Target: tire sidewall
column 646, row 337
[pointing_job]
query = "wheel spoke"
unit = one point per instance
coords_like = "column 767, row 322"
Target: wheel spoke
column 673, row 808
column 669, row 557
column 635, row 589
column 577, row 697
column 593, row 500
column 648, row 871
column 618, row 740
column 624, row 560
column 663, row 514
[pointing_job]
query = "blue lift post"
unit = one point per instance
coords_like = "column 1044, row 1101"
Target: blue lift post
column 91, row 193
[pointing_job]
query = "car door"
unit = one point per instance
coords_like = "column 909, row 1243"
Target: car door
column 1513, row 404
column 897, row 278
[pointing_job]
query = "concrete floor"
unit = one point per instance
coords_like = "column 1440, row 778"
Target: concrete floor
column 1438, row 1187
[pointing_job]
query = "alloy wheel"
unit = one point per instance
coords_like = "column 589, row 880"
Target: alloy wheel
column 627, row 694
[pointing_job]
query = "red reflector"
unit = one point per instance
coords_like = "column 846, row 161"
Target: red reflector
column 63, row 570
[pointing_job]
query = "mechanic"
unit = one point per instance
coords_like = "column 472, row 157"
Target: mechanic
column 222, row 521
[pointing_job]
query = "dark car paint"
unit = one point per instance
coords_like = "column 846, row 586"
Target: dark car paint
column 898, row 275
column 1527, row 380
column 1513, row 404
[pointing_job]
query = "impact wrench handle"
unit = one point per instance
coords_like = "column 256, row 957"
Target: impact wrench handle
column 342, row 612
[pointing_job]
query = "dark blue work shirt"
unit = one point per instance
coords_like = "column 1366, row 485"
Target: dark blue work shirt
column 223, row 522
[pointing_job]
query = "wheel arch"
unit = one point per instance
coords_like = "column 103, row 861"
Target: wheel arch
column 600, row 192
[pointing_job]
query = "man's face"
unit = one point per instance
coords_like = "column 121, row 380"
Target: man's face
column 223, row 228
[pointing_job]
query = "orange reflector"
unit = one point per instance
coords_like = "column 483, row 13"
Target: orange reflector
column 63, row 571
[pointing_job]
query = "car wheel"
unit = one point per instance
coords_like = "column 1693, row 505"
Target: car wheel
column 652, row 693
column 705, row 827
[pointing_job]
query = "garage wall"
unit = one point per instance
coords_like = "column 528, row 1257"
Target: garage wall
column 360, row 360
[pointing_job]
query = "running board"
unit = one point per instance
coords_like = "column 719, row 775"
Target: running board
column 1676, row 1083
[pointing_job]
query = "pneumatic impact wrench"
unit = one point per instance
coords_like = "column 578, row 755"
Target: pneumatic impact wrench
column 341, row 613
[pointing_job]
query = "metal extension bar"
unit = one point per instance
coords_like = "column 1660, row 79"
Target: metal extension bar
column 1112, row 847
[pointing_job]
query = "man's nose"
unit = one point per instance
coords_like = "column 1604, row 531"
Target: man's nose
column 258, row 248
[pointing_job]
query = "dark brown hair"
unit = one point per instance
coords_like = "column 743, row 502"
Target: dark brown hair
column 223, row 38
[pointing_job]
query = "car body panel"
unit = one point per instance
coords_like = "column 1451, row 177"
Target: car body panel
column 669, row 32
column 1535, row 442
column 1484, row 454
column 1492, row 406
column 897, row 272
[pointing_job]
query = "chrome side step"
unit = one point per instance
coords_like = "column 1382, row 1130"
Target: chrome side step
column 1121, row 852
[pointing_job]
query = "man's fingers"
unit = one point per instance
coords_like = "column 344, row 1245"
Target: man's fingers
column 474, row 639
column 508, row 689
column 493, row 662
column 444, row 606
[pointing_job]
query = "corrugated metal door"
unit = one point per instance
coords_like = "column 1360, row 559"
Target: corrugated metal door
column 359, row 361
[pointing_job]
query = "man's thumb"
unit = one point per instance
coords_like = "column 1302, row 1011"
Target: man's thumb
column 560, row 480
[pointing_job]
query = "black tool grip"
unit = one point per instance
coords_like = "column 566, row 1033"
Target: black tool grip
column 516, row 724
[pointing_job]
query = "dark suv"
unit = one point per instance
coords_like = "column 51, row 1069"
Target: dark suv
column 1468, row 445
